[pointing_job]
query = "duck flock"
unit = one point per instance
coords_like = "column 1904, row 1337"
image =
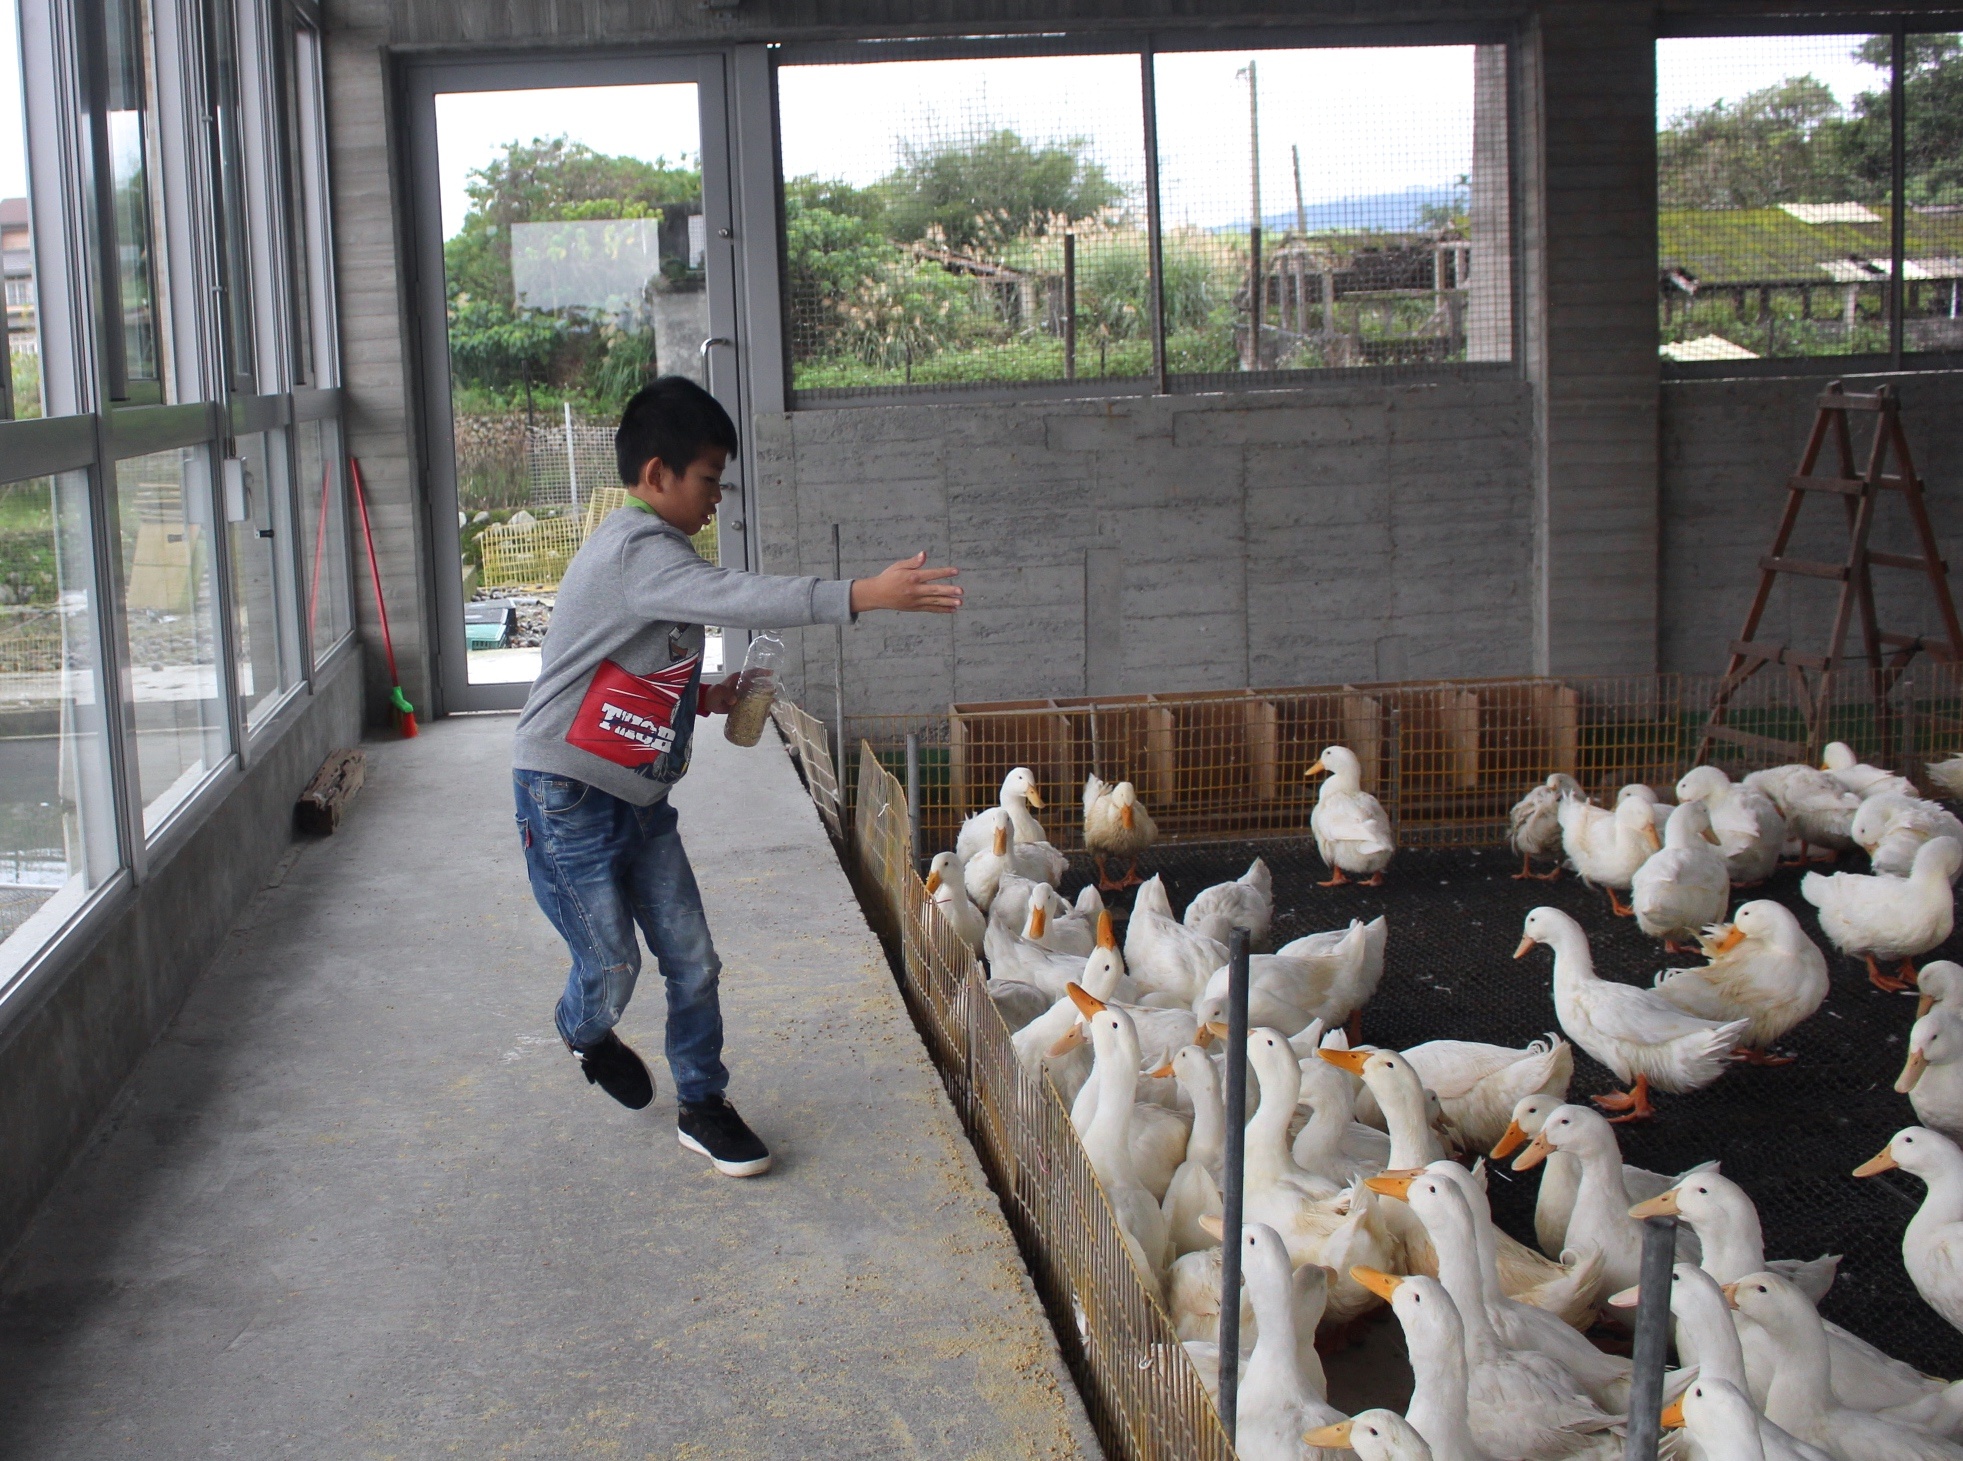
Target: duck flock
column 1365, row 1180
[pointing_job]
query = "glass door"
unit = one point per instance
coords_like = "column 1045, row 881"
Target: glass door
column 574, row 226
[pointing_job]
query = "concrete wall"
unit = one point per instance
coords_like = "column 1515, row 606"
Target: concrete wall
column 1175, row 542
column 63, row 1060
column 1727, row 448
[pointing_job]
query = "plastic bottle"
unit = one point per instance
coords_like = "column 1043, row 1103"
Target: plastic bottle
column 756, row 687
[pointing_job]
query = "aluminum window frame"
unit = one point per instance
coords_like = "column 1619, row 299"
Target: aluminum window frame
column 1147, row 44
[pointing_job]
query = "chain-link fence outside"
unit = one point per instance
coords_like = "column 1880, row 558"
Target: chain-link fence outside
column 1447, row 758
column 1141, row 1390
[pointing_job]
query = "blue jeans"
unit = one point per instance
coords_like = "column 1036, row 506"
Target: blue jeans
column 599, row 866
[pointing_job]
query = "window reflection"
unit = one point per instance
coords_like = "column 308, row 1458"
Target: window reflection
column 257, row 525
column 323, row 529
column 129, row 108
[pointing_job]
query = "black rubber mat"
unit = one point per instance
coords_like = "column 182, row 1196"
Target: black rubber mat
column 1790, row 1135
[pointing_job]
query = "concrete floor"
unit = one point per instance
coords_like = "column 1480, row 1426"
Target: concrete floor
column 359, row 1202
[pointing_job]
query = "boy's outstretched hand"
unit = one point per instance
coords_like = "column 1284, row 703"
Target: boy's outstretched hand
column 908, row 585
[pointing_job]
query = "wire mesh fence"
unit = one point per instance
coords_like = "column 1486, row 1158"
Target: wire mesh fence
column 1447, row 758
column 1776, row 211
column 1139, row 1386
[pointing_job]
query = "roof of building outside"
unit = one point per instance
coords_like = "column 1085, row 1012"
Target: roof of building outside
column 13, row 211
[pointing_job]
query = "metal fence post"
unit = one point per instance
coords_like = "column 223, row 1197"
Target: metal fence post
column 1652, row 1339
column 838, row 669
column 913, row 798
column 1395, row 781
column 1233, row 1161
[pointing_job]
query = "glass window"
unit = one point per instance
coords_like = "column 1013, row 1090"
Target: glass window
column 1932, row 271
column 1331, row 208
column 136, row 332
column 170, row 604
column 57, row 821
column 20, row 388
column 1773, row 206
column 306, row 202
column 962, row 221
column 234, row 242
column 323, row 530
column 256, row 511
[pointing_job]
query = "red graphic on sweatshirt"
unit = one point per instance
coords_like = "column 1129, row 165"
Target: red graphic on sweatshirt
column 629, row 719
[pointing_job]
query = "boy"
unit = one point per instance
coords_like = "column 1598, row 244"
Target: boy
column 605, row 734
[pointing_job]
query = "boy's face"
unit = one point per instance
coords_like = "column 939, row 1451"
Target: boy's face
column 685, row 500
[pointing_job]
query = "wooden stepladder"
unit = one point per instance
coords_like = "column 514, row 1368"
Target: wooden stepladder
column 1882, row 656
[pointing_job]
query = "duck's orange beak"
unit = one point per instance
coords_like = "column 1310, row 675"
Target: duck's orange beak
column 1107, row 931
column 1911, row 1071
column 1536, row 1153
column 933, row 884
column 1215, row 1224
column 1525, row 944
column 1315, row 770
column 1001, row 847
column 1398, row 1187
column 1383, row 1285
column 1072, row 1038
column 1162, row 1072
column 1331, row 1437
column 1352, row 1061
column 1087, row 1003
column 1730, row 1292
column 1128, row 816
column 1034, row 798
column 1733, row 937
column 1673, row 1415
column 1881, row 1161
column 1664, row 1204
column 1511, row 1140
column 1039, row 920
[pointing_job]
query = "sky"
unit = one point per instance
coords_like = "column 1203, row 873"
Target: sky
column 13, row 145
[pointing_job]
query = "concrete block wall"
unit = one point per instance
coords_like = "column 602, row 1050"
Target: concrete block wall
column 1727, row 447
column 1350, row 531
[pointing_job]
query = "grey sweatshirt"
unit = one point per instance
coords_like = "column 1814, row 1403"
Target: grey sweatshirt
column 614, row 702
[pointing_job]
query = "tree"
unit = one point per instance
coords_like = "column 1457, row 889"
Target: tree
column 976, row 196
column 1783, row 144
column 1932, row 94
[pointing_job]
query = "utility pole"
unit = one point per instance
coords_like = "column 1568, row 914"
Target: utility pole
column 1301, row 213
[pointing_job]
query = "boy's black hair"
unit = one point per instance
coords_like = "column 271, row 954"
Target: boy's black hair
column 673, row 420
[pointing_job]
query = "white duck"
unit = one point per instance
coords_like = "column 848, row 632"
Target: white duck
column 1352, row 830
column 1248, row 902
column 1378, row 1435
column 1026, row 957
column 1606, row 847
column 1747, row 823
column 1332, row 1143
column 1363, row 969
column 1434, row 1338
column 1704, row 1329
column 1521, row 1403
column 1311, row 1293
column 1116, row 824
column 1940, row 985
column 1479, row 1085
column 1194, row 1191
column 1108, row 1142
column 1890, row 827
column 983, row 871
column 1875, row 916
column 1560, row 1173
column 1162, row 953
column 1762, row 968
column 1044, row 920
column 1948, row 776
column 1819, row 811
column 1800, row 1398
column 1932, row 1076
column 1634, row 1032
column 1158, row 1132
column 1048, row 1042
column 1722, row 1424
column 1839, row 761
column 948, row 892
column 1730, row 1241
column 1278, row 1403
column 1018, row 795
column 1605, row 1377
column 1685, row 886
column 1932, row 1248
column 1601, row 1221
column 1289, row 992
column 1534, row 825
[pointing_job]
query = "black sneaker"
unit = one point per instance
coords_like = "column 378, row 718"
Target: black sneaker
column 618, row 1071
column 714, row 1129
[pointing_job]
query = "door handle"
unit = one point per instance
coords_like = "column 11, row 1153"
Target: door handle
column 708, row 371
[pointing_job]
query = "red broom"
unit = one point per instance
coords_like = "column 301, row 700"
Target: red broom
column 405, row 713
